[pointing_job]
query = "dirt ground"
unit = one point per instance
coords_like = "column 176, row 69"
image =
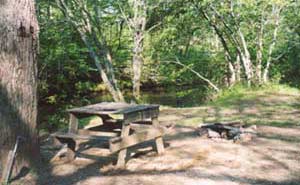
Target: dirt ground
column 272, row 157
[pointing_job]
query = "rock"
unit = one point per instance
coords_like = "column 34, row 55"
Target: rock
column 202, row 132
column 252, row 129
column 213, row 134
column 229, row 131
column 244, row 137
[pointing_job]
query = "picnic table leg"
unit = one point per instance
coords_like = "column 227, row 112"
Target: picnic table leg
column 67, row 150
column 73, row 123
column 158, row 141
column 122, row 154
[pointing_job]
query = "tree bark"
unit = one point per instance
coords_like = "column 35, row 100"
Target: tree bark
column 276, row 13
column 198, row 74
column 18, row 81
column 138, row 25
column 232, row 77
column 259, row 52
column 246, row 58
column 237, row 68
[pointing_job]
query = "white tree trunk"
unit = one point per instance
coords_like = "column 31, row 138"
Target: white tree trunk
column 259, row 52
column 232, row 78
column 237, row 68
column 138, row 25
column 246, row 58
column 276, row 13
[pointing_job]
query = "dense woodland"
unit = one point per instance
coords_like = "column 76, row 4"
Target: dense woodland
column 57, row 54
column 122, row 48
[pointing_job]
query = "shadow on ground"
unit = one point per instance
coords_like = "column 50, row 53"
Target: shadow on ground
column 271, row 158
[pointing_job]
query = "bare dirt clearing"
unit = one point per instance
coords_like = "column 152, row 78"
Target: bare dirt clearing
column 272, row 157
column 192, row 160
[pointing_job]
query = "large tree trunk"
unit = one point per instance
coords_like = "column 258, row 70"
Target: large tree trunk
column 18, row 81
column 137, row 64
column 138, row 24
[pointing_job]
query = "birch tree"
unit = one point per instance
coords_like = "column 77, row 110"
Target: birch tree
column 135, row 14
column 86, row 19
column 235, row 26
column 137, row 26
column 276, row 10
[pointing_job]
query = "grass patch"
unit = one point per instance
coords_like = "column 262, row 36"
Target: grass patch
column 239, row 95
column 274, row 105
column 87, row 120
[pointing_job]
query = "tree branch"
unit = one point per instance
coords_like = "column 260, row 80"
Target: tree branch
column 177, row 61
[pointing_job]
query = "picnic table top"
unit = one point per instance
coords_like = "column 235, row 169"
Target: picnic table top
column 106, row 108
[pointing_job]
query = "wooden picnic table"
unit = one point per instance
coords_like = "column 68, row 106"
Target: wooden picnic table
column 124, row 125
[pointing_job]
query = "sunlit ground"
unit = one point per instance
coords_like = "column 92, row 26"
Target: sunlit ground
column 273, row 157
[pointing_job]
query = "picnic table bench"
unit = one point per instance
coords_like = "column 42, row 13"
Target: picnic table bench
column 124, row 125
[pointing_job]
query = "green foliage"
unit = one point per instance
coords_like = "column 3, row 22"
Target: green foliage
column 68, row 75
column 56, row 121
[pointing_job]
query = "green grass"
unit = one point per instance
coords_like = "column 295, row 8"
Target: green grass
column 240, row 94
column 87, row 120
column 276, row 105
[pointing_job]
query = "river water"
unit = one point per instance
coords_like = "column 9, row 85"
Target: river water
column 174, row 96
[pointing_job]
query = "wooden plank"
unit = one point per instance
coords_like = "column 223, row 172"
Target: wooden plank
column 146, row 122
column 142, row 115
column 102, row 107
column 97, row 133
column 122, row 154
column 120, row 143
column 138, row 108
column 73, row 123
column 107, row 127
column 80, row 137
column 158, row 141
column 8, row 167
column 140, row 127
column 10, row 161
column 106, row 108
